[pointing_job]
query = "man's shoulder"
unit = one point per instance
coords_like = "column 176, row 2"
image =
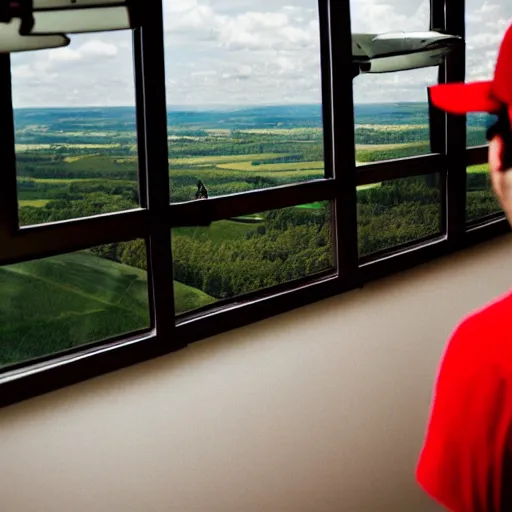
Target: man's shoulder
column 492, row 314
column 484, row 331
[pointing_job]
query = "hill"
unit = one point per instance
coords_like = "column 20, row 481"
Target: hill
column 60, row 302
column 122, row 119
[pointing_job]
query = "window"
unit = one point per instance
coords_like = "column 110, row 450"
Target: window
column 391, row 109
column 236, row 256
column 397, row 212
column 244, row 94
column 214, row 168
column 74, row 161
column 486, row 23
column 481, row 201
column 53, row 304
column 391, row 116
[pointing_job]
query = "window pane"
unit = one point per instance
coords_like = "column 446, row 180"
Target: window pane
column 391, row 114
column 75, row 129
column 397, row 212
column 391, row 110
column 481, row 200
column 241, row 255
column 486, row 23
column 243, row 94
column 57, row 303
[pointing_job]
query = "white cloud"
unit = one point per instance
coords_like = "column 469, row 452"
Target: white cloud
column 98, row 48
column 65, row 54
column 245, row 51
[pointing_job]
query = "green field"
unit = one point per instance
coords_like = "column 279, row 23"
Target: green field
column 66, row 181
column 36, row 203
column 236, row 175
column 312, row 206
column 249, row 166
column 218, row 232
column 74, row 299
column 213, row 160
column 385, row 147
column 72, row 165
column 482, row 168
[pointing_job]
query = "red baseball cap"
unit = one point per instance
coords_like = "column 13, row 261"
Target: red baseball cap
column 483, row 96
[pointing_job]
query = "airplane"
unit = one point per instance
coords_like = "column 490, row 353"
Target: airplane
column 399, row 51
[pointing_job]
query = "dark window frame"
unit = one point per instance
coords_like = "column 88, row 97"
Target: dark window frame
column 156, row 216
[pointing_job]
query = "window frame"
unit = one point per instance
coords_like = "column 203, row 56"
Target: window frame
column 156, row 217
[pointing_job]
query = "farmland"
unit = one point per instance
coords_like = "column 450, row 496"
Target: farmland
column 73, row 163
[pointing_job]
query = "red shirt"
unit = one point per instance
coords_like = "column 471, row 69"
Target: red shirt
column 466, row 461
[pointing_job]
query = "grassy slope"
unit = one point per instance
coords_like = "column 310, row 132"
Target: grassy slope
column 73, row 299
column 188, row 298
column 219, row 231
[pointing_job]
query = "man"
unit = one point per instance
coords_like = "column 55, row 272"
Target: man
column 466, row 460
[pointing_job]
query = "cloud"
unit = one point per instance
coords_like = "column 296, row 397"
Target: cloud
column 64, row 55
column 98, row 48
column 245, row 52
column 93, row 70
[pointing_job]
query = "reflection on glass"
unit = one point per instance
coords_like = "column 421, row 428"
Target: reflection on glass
column 244, row 95
column 244, row 254
column 57, row 303
column 480, row 199
column 75, row 129
column 391, row 115
column 397, row 212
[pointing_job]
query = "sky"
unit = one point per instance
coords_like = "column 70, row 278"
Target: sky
column 245, row 52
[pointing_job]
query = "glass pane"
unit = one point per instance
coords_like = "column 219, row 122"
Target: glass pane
column 481, row 200
column 391, row 114
column 244, row 254
column 486, row 23
column 397, row 212
column 391, row 110
column 243, row 94
column 57, row 303
column 75, row 129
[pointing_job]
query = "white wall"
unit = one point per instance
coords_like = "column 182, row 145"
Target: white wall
column 321, row 409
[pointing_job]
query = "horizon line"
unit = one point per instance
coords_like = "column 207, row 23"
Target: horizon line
column 216, row 107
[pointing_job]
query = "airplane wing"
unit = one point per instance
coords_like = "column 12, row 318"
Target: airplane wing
column 362, row 47
column 396, row 51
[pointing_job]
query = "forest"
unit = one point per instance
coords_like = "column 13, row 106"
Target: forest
column 74, row 163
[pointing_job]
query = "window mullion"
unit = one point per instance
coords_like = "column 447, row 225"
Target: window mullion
column 150, row 76
column 339, row 74
column 8, row 190
column 455, row 68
